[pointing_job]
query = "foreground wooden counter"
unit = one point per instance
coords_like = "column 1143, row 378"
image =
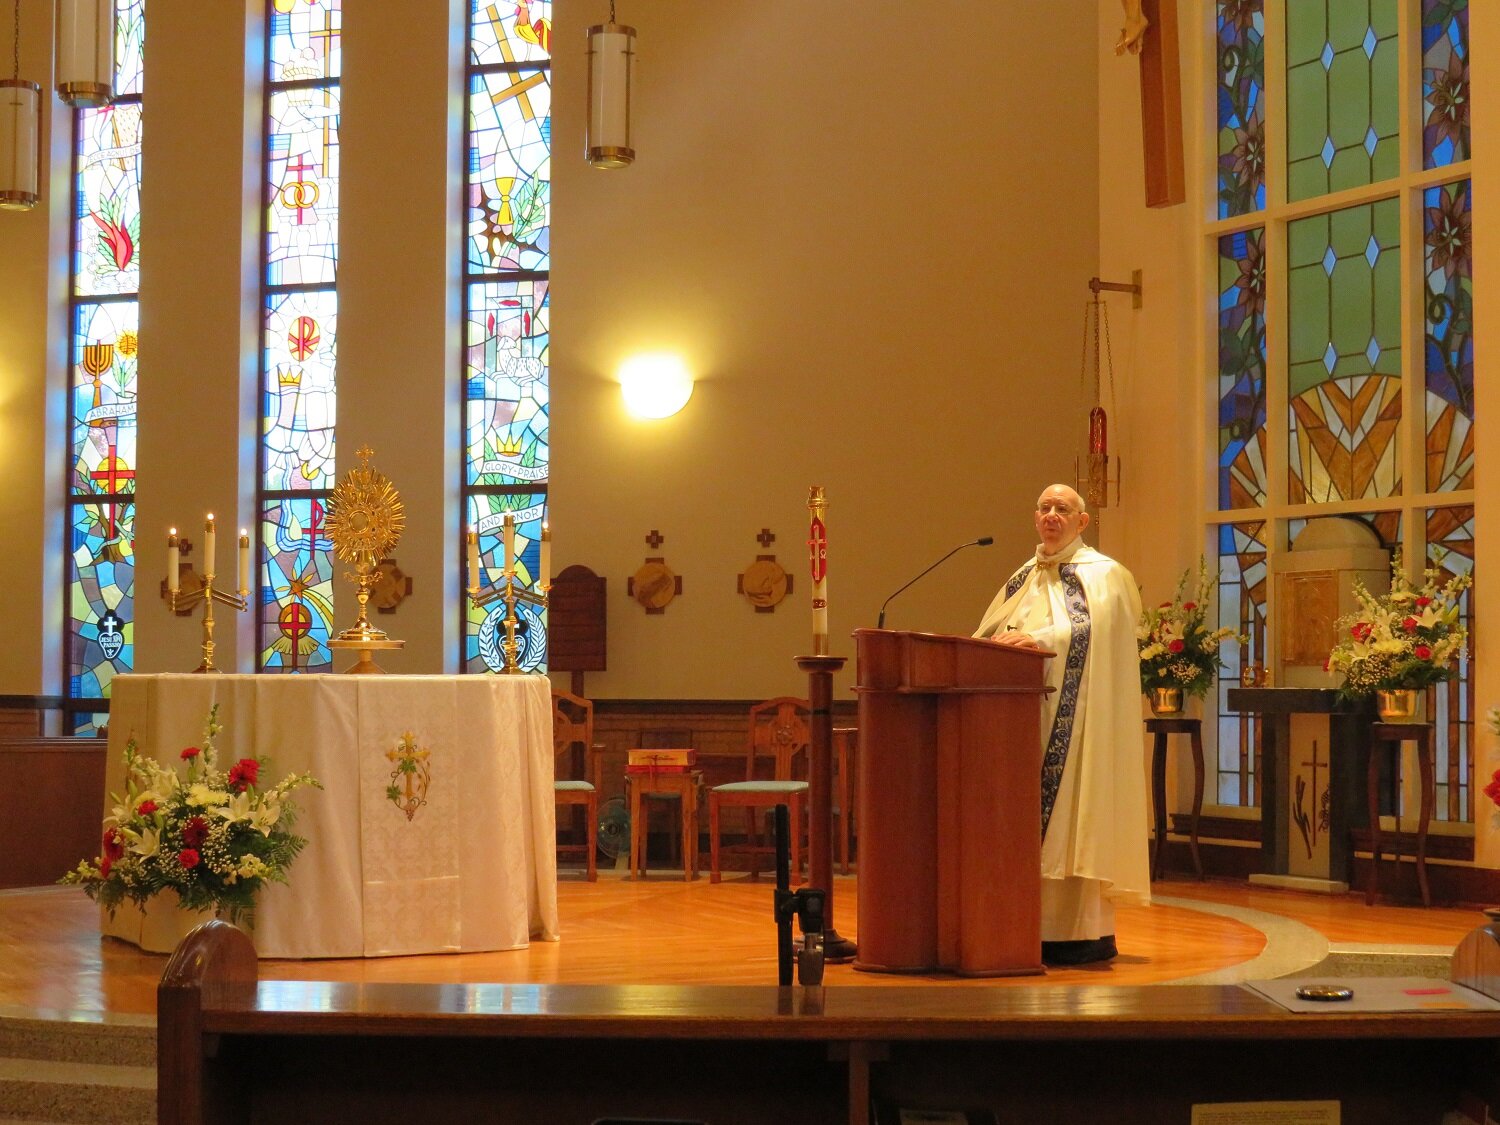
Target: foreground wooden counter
column 232, row 1048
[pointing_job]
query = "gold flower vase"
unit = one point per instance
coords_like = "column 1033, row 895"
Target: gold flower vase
column 1401, row 706
column 1166, row 701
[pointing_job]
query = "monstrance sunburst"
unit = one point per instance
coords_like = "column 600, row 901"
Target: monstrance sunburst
column 364, row 521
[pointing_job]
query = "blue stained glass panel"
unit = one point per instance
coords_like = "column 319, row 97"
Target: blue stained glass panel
column 130, row 47
column 505, row 379
column 517, row 31
column 1445, row 82
column 101, row 597
column 1241, row 110
column 1241, row 551
column 484, row 630
column 1242, row 370
column 107, row 201
column 296, row 586
column 104, row 386
column 306, row 41
column 302, row 175
column 510, row 171
column 1448, row 345
column 301, row 396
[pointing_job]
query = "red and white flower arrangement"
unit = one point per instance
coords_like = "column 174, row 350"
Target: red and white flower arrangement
column 213, row 835
column 1408, row 638
column 1177, row 648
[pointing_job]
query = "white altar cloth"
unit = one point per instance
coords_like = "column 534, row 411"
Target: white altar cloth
column 475, row 868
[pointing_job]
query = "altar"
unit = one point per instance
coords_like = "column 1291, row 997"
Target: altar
column 471, row 868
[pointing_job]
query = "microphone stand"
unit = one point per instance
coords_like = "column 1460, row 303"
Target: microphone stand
column 982, row 541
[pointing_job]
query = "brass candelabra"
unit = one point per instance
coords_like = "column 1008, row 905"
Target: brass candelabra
column 208, row 596
column 510, row 591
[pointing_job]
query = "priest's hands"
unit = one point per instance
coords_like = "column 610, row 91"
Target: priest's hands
column 1016, row 638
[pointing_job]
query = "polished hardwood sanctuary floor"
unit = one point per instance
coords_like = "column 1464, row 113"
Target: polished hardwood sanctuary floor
column 665, row 931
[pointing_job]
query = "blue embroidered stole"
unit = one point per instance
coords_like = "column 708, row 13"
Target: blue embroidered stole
column 1055, row 754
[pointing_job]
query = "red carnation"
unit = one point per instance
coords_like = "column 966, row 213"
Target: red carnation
column 1176, row 646
column 243, row 774
column 1422, row 652
column 1189, row 605
column 195, row 831
column 145, row 808
column 1423, row 601
column 1360, row 631
column 1410, row 624
column 190, row 753
column 113, row 843
column 188, row 857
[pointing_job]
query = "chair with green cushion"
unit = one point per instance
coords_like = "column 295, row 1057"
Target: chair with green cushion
column 778, row 743
column 575, row 779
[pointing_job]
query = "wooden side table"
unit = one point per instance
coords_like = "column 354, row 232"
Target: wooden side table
column 683, row 786
column 1392, row 735
column 1162, row 728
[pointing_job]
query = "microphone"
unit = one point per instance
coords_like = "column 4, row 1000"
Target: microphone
column 982, row 541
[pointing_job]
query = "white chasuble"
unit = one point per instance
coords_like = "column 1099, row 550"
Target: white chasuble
column 1084, row 606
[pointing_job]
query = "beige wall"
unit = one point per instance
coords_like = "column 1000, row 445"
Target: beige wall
column 869, row 237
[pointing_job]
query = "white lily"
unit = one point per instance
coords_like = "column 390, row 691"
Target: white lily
column 148, row 844
column 237, row 809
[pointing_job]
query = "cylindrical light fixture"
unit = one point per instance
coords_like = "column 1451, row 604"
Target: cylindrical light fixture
column 20, row 138
column 656, row 385
column 86, row 52
column 611, row 60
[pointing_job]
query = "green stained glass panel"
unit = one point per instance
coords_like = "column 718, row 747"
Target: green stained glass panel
column 510, row 171
column 107, row 230
column 296, row 586
column 130, row 47
column 505, row 377
column 510, row 32
column 1241, row 550
column 1344, row 354
column 101, row 596
column 306, row 42
column 104, row 388
column 484, row 627
column 1342, row 113
column 301, row 394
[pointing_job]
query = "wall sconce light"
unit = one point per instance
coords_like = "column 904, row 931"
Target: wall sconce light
column 655, row 386
column 86, row 52
column 20, row 132
column 611, row 58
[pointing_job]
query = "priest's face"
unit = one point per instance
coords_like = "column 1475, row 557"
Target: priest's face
column 1059, row 517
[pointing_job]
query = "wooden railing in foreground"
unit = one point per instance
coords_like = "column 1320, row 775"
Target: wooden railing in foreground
column 232, row 1048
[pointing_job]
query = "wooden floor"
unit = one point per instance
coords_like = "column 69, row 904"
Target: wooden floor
column 665, row 931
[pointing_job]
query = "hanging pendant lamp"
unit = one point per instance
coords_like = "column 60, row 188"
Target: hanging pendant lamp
column 20, row 132
column 86, row 52
column 611, row 57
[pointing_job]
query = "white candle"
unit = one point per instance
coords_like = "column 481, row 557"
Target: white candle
column 546, row 554
column 244, row 563
column 174, row 562
column 817, row 543
column 472, row 542
column 208, row 545
column 509, row 535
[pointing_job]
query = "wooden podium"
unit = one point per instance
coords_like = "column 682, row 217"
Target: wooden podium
column 949, row 804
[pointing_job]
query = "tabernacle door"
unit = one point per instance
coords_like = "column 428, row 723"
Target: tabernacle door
column 949, row 804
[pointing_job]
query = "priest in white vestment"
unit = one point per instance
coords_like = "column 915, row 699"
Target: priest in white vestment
column 1073, row 601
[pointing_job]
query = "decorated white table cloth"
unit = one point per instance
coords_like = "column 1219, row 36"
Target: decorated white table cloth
column 474, row 865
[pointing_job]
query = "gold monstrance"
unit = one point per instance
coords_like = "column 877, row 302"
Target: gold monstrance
column 364, row 523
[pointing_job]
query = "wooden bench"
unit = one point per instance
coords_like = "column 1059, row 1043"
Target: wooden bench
column 236, row 1049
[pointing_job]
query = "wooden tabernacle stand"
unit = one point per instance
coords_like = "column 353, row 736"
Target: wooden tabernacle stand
column 949, row 804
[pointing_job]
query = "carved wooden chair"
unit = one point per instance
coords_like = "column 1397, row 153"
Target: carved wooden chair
column 779, row 735
column 576, row 766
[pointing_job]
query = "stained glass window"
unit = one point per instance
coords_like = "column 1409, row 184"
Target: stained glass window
column 300, row 333
column 1450, row 543
column 1242, row 370
column 1241, row 110
column 103, row 384
column 1445, row 82
column 1342, row 109
column 1344, row 353
column 508, row 212
column 1242, row 607
column 1448, row 349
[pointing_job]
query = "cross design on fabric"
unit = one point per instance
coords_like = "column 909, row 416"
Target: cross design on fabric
column 411, row 775
column 1055, row 757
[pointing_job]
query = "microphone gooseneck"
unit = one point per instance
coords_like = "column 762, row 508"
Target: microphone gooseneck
column 982, row 541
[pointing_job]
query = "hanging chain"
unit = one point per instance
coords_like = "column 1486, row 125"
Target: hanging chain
column 1109, row 360
column 611, row 11
column 16, row 40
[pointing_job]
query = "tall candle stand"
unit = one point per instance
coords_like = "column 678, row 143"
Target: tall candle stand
column 208, row 596
column 510, row 591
